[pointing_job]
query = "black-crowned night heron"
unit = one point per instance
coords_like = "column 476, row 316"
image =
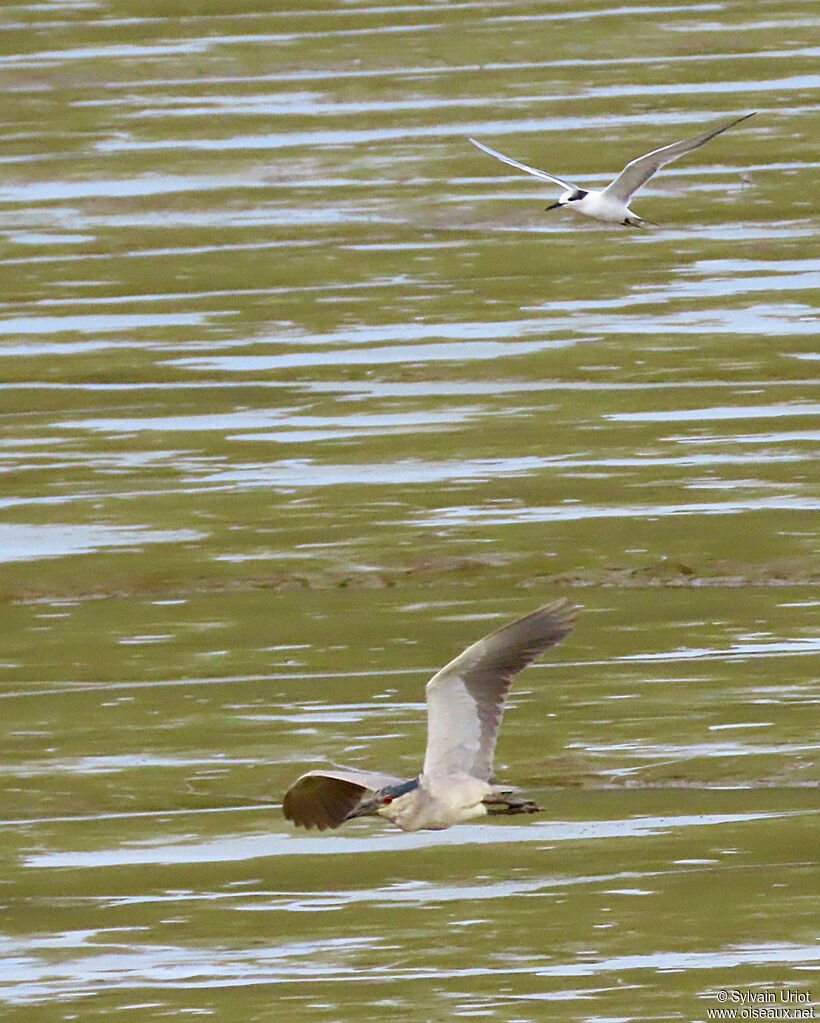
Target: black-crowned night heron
column 465, row 703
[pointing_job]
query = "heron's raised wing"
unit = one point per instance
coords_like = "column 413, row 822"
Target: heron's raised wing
column 639, row 171
column 465, row 700
column 322, row 799
column 522, row 166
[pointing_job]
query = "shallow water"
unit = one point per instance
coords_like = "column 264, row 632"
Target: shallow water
column 301, row 393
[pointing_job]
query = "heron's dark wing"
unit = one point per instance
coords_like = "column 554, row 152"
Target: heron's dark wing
column 322, row 799
column 465, row 700
column 523, row 166
column 639, row 171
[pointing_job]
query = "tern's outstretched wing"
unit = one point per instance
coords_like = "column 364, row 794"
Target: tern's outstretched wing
column 465, row 700
column 639, row 171
column 524, row 167
column 322, row 799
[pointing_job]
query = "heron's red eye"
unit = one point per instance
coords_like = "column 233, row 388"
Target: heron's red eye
column 387, row 799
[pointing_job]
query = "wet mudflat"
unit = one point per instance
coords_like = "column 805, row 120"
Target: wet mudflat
column 301, row 393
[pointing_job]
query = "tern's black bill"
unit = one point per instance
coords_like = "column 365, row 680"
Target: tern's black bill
column 554, row 206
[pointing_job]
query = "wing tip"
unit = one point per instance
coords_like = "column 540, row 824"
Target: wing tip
column 559, row 606
column 318, row 800
column 564, row 614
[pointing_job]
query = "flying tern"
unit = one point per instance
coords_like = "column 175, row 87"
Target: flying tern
column 465, row 703
column 611, row 204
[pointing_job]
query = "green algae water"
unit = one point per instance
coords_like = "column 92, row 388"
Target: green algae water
column 301, row 394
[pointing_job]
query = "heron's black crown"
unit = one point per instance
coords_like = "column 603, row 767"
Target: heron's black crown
column 399, row 790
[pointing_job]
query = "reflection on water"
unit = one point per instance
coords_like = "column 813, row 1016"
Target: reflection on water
column 516, row 514
column 245, row 848
column 726, row 412
column 37, row 979
column 745, row 648
column 299, row 393
column 341, row 960
column 25, row 542
column 382, row 355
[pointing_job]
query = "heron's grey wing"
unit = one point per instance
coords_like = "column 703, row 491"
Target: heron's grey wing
column 465, row 700
column 322, row 799
column 523, row 166
column 639, row 171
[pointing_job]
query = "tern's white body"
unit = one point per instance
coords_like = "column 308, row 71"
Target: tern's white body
column 611, row 204
column 601, row 206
